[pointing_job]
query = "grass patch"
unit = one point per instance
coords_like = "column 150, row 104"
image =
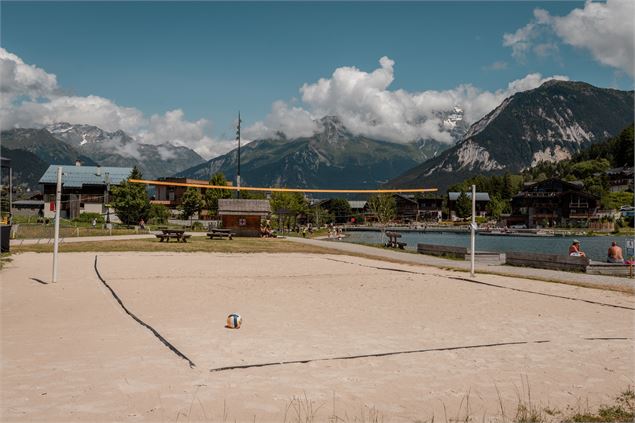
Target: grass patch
column 5, row 258
column 195, row 244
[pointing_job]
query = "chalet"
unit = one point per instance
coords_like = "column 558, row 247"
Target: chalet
column 430, row 209
column 482, row 199
column 407, row 208
column 243, row 217
column 553, row 202
column 170, row 195
column 620, row 179
column 85, row 189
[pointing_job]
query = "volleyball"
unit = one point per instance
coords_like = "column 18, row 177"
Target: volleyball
column 234, row 321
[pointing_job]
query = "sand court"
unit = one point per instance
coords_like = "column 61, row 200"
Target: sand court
column 424, row 338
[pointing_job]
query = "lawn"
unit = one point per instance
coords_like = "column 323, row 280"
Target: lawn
column 195, row 244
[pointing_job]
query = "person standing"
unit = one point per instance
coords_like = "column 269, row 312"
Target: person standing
column 615, row 254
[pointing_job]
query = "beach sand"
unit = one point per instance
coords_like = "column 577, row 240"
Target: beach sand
column 71, row 353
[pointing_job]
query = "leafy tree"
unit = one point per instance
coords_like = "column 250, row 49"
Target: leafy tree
column 130, row 200
column 213, row 195
column 288, row 205
column 191, row 203
column 158, row 213
column 463, row 205
column 615, row 200
column 496, row 207
column 340, row 209
column 383, row 206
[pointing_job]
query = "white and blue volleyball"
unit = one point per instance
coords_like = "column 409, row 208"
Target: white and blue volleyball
column 234, row 321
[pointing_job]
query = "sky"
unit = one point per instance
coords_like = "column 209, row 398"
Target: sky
column 179, row 72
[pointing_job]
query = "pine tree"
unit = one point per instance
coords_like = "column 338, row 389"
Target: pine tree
column 463, row 206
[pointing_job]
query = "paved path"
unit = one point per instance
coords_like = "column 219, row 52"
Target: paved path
column 522, row 272
column 18, row 242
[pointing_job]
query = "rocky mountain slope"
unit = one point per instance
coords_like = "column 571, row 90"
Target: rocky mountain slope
column 333, row 157
column 549, row 123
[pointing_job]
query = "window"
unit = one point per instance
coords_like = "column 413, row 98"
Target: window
column 242, row 222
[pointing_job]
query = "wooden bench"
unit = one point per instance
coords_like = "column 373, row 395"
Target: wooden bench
column 548, row 261
column 168, row 237
column 392, row 240
column 481, row 257
column 442, row 250
column 220, row 234
column 609, row 269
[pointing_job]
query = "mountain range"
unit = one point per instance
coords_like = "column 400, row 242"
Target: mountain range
column 332, row 157
column 549, row 123
column 64, row 143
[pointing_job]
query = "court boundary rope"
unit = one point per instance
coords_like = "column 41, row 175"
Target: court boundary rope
column 493, row 285
column 141, row 322
column 385, row 354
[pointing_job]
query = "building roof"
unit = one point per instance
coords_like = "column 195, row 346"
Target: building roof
column 78, row 176
column 228, row 206
column 480, row 196
column 28, row 203
column 357, row 204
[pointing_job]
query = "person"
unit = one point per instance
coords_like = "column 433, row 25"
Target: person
column 94, row 223
column 574, row 249
column 142, row 224
column 615, row 254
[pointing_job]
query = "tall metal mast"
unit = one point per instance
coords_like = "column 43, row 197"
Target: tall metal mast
column 238, row 138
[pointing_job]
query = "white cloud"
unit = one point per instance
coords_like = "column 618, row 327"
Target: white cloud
column 606, row 30
column 19, row 79
column 31, row 97
column 366, row 105
column 496, row 66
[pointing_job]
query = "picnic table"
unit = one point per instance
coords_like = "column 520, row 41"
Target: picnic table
column 392, row 240
column 178, row 234
column 220, row 233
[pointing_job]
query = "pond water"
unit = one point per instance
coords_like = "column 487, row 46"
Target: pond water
column 595, row 247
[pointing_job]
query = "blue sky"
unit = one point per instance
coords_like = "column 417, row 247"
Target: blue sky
column 211, row 59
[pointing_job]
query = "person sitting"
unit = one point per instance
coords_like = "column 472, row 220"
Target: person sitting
column 615, row 254
column 574, row 249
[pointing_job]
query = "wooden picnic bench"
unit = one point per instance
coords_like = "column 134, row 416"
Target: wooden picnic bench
column 220, row 233
column 178, row 234
column 392, row 240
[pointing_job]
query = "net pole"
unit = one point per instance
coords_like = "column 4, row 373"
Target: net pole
column 58, row 201
column 473, row 233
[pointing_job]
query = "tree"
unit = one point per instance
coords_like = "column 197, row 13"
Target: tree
column 340, row 209
column 463, row 205
column 158, row 213
column 288, row 205
column 191, row 202
column 130, row 200
column 213, row 195
column 508, row 188
column 383, row 206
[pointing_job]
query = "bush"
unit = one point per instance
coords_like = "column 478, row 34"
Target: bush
column 88, row 218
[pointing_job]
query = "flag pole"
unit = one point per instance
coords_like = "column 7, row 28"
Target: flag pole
column 473, row 232
column 238, row 138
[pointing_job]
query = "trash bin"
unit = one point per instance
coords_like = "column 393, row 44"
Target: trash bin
column 5, row 237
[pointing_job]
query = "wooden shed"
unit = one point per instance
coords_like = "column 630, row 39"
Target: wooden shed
column 243, row 217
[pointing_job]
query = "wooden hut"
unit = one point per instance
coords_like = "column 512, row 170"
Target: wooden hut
column 243, row 217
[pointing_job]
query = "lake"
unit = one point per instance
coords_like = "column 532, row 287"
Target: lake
column 595, row 247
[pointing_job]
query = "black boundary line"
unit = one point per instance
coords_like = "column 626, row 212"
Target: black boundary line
column 607, row 339
column 39, row 281
column 141, row 322
column 385, row 354
column 484, row 283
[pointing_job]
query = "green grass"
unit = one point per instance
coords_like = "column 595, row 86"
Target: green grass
column 195, row 244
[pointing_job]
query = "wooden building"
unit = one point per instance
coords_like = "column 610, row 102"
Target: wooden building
column 553, row 202
column 85, row 189
column 482, row 199
column 407, row 208
column 430, row 208
column 243, row 217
